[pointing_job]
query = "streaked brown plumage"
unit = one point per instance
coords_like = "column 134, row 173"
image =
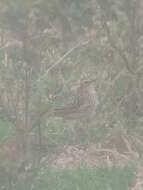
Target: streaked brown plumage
column 84, row 106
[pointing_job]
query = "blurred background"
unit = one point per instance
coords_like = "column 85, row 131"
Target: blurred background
column 71, row 94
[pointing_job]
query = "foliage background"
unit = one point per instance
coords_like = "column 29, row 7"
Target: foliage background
column 46, row 48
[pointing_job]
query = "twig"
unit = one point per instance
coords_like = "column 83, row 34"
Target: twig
column 113, row 152
column 80, row 44
column 128, row 145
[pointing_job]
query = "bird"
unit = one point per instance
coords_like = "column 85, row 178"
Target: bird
column 82, row 109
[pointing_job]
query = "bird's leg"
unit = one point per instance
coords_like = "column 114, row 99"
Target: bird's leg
column 82, row 133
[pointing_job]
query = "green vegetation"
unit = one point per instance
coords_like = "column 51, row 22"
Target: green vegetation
column 71, row 88
column 6, row 130
column 82, row 178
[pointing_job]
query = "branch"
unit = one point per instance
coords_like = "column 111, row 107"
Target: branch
column 113, row 152
column 116, row 48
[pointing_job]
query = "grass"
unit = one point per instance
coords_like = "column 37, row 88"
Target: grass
column 6, row 129
column 83, row 178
